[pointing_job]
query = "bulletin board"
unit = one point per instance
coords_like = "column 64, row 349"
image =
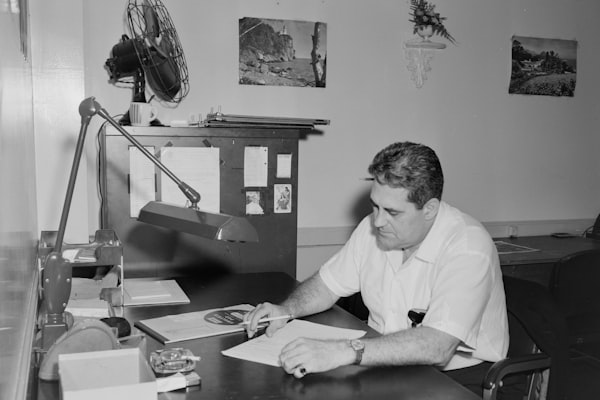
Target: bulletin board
column 269, row 202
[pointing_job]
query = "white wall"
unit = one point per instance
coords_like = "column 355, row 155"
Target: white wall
column 18, row 217
column 58, row 85
column 506, row 157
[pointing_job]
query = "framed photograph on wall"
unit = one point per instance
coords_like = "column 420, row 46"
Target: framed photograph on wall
column 254, row 203
column 282, row 198
column 278, row 52
column 543, row 67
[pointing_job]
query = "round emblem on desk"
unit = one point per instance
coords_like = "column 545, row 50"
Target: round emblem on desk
column 226, row 317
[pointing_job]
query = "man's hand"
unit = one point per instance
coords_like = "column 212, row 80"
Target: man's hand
column 303, row 356
column 265, row 310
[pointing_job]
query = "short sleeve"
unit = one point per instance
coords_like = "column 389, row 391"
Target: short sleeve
column 341, row 273
column 462, row 291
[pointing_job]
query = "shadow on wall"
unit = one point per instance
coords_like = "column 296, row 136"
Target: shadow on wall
column 362, row 206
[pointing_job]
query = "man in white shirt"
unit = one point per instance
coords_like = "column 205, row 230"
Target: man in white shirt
column 413, row 254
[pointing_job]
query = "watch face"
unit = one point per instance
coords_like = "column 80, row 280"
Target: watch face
column 357, row 345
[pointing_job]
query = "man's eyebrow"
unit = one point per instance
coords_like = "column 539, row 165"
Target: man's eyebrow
column 392, row 210
column 385, row 208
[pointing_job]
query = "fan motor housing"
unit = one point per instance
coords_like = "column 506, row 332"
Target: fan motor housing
column 124, row 60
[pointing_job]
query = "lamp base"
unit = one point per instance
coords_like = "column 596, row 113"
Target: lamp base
column 54, row 326
column 57, row 273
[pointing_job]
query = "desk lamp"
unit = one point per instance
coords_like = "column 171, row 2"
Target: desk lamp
column 57, row 271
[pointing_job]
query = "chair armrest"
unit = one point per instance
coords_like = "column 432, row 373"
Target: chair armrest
column 525, row 363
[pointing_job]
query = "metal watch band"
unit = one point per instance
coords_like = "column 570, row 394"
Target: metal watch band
column 359, row 348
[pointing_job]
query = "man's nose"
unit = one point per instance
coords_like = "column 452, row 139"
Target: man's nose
column 378, row 219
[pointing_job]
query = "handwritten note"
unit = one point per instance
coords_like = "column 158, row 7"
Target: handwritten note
column 141, row 180
column 199, row 167
column 256, row 163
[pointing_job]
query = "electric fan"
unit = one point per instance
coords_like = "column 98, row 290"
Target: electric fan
column 152, row 54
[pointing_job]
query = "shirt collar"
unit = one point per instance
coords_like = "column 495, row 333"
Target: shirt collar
column 433, row 241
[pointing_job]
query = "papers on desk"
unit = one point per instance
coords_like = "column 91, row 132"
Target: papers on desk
column 137, row 292
column 510, row 248
column 88, row 308
column 194, row 325
column 84, row 299
column 266, row 350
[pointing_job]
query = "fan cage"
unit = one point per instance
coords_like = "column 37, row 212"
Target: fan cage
column 153, row 58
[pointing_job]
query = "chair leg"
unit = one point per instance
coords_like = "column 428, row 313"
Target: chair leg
column 538, row 385
column 489, row 394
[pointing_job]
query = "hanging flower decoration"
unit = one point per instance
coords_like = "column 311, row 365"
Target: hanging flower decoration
column 423, row 15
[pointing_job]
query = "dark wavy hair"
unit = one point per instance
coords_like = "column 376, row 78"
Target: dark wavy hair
column 411, row 166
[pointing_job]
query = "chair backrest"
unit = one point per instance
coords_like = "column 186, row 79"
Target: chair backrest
column 520, row 341
column 535, row 322
column 575, row 283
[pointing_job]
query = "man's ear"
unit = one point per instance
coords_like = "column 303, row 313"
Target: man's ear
column 430, row 209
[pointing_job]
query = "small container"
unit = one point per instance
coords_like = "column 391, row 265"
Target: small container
column 111, row 374
column 171, row 361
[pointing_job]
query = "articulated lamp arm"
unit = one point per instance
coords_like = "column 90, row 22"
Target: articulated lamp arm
column 57, row 271
column 92, row 107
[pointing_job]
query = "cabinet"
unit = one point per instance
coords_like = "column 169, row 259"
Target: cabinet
column 154, row 251
column 537, row 265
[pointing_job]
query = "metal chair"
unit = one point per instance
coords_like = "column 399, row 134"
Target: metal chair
column 537, row 343
column 575, row 285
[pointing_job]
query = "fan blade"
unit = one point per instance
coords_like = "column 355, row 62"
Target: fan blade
column 151, row 20
column 158, row 50
column 152, row 33
column 163, row 76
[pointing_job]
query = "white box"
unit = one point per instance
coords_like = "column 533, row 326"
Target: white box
column 111, row 374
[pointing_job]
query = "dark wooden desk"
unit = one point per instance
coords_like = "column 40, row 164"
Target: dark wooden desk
column 230, row 378
column 537, row 265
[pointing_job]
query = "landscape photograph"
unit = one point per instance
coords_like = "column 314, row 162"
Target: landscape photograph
column 282, row 52
column 544, row 67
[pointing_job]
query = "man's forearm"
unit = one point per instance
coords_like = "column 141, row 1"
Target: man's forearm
column 310, row 297
column 411, row 346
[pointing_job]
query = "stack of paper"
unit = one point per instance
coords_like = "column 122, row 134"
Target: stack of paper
column 137, row 292
column 193, row 325
column 84, row 299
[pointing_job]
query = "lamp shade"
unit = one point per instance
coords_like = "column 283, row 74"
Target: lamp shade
column 197, row 222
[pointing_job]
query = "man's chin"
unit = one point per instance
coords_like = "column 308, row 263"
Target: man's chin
column 385, row 245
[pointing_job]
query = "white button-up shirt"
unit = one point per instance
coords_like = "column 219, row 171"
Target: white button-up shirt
column 454, row 274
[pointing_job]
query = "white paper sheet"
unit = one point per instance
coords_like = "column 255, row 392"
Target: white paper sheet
column 199, row 168
column 266, row 350
column 256, row 163
column 141, row 291
column 284, row 166
column 141, row 180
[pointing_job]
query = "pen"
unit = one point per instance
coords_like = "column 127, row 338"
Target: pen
column 269, row 319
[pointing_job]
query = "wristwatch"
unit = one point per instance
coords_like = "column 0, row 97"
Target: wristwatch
column 359, row 348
